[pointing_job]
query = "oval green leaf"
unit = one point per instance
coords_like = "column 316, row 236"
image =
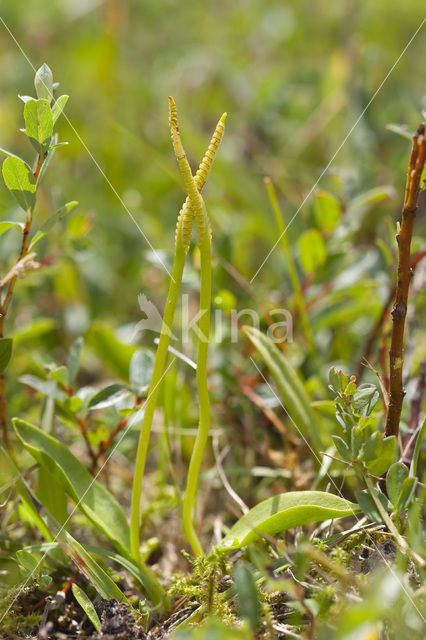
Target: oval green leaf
column 107, row 397
column 38, row 124
column 312, row 250
column 286, row 511
column 407, row 492
column 140, row 372
column 395, row 477
column 327, row 210
column 6, row 225
column 20, row 181
column 385, row 455
column 93, row 499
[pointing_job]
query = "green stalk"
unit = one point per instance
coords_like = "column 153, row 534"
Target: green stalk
column 204, row 243
column 151, row 401
column 203, row 398
column 183, row 236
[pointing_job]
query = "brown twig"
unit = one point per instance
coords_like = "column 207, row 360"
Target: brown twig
column 399, row 311
column 378, row 325
column 4, row 306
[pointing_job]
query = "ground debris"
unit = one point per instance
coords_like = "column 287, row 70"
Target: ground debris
column 118, row 623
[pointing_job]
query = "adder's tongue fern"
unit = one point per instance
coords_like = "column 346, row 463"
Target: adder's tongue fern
column 186, row 214
column 193, row 207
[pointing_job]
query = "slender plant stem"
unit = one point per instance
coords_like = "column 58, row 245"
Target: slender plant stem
column 4, row 306
column 203, row 399
column 399, row 311
column 182, row 241
column 204, row 243
column 151, row 401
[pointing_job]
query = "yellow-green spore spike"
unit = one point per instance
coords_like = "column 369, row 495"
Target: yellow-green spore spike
column 197, row 203
column 184, row 223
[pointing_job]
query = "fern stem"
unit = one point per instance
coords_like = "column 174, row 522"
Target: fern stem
column 182, row 241
column 204, row 243
column 151, row 401
column 203, row 399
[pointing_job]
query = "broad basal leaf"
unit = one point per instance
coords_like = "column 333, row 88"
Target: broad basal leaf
column 93, row 499
column 141, row 572
column 104, row 585
column 285, row 511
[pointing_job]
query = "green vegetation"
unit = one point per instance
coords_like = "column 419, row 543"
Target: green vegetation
column 245, row 460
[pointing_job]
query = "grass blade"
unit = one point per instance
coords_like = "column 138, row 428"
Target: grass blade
column 290, row 386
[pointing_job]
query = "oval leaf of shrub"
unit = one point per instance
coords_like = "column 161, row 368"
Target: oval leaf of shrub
column 285, row 511
column 384, row 456
column 407, row 492
column 107, row 397
column 327, row 210
column 38, row 124
column 396, row 475
column 6, row 225
column 58, row 107
column 342, row 448
column 93, row 499
column 140, row 372
column 312, row 250
column 368, row 505
column 5, row 352
column 19, row 179
column 289, row 385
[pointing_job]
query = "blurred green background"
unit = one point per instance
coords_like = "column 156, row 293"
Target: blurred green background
column 293, row 76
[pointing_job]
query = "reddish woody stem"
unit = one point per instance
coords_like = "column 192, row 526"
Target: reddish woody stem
column 399, row 311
